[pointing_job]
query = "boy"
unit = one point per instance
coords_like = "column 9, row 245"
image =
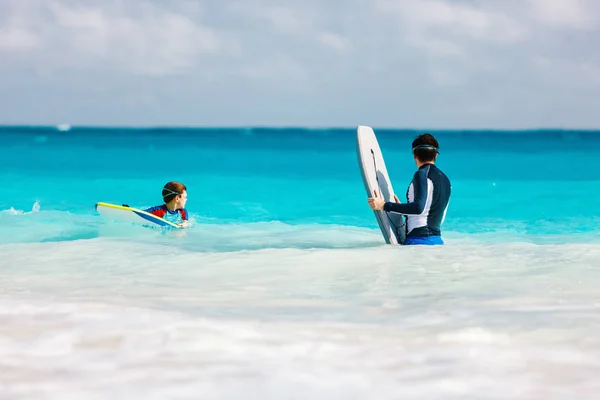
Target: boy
column 428, row 196
column 175, row 196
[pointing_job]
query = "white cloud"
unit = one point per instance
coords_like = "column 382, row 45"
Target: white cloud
column 16, row 38
column 15, row 28
column 299, row 21
column 437, row 47
column 144, row 39
column 285, row 19
column 441, row 62
column 574, row 14
column 442, row 19
column 592, row 72
column 334, row 41
column 273, row 69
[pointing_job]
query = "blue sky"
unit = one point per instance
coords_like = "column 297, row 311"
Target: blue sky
column 394, row 63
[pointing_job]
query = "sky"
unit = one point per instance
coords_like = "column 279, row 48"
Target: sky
column 438, row 64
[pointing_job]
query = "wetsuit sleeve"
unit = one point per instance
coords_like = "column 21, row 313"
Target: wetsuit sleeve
column 416, row 207
column 184, row 214
column 159, row 211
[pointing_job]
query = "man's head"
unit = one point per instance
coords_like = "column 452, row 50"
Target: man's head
column 425, row 148
column 175, row 193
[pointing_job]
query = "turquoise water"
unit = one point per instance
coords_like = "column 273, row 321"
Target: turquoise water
column 283, row 284
column 534, row 186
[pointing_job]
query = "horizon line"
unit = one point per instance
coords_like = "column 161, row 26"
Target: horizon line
column 67, row 127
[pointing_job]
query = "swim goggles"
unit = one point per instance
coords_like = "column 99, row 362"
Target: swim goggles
column 171, row 192
column 426, row 146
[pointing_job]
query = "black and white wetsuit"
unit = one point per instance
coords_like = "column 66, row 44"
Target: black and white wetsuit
column 428, row 196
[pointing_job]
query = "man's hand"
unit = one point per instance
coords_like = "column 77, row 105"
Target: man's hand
column 376, row 203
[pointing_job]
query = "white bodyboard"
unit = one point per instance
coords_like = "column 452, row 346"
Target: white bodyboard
column 377, row 181
column 133, row 215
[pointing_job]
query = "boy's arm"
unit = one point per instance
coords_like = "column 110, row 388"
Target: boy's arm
column 159, row 211
column 185, row 218
column 184, row 214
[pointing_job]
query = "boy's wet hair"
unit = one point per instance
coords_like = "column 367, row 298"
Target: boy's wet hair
column 425, row 147
column 172, row 190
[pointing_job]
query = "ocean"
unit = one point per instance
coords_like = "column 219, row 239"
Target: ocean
column 283, row 288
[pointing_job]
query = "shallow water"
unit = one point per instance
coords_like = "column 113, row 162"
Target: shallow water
column 283, row 287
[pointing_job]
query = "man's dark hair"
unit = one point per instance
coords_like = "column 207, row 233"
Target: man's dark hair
column 425, row 147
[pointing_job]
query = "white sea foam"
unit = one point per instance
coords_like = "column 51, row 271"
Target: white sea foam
column 115, row 318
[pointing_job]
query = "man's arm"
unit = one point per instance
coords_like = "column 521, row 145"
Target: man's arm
column 416, row 207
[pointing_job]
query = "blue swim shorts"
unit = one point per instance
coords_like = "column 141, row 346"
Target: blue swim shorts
column 426, row 240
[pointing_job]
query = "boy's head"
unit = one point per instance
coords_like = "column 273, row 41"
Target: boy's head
column 175, row 193
column 425, row 148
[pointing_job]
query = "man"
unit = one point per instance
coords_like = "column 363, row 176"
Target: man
column 428, row 196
